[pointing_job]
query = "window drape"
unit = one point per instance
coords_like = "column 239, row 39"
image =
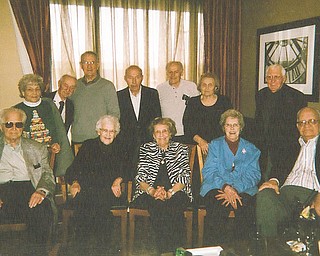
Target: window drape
column 73, row 30
column 145, row 33
column 33, row 20
column 222, row 26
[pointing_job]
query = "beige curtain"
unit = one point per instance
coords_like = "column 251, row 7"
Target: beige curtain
column 73, row 32
column 145, row 33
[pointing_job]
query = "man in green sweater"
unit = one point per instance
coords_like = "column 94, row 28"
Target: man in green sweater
column 93, row 98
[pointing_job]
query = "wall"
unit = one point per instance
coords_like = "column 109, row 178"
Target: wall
column 255, row 14
column 10, row 67
column 259, row 14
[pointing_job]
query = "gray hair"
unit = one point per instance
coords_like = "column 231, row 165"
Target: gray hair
column 164, row 121
column 30, row 79
column 89, row 53
column 4, row 113
column 234, row 114
column 316, row 111
column 214, row 77
column 109, row 119
column 283, row 71
column 133, row 67
column 174, row 62
column 61, row 80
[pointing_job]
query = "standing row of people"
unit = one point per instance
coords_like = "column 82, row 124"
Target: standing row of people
column 231, row 173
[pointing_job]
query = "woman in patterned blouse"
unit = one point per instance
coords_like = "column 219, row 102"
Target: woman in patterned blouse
column 163, row 183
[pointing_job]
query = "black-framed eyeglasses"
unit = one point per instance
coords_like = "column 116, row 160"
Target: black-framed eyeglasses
column 9, row 125
column 310, row 121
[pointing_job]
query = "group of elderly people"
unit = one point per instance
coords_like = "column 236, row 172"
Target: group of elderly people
column 231, row 173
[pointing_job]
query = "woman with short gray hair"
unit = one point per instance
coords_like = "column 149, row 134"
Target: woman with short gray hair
column 44, row 123
column 231, row 174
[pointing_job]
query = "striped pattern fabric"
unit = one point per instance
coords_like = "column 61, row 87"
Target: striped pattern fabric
column 177, row 161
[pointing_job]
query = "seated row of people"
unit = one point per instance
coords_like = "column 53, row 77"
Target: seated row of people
column 231, row 177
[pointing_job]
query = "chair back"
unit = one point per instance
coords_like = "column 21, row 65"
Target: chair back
column 76, row 148
column 192, row 155
column 201, row 159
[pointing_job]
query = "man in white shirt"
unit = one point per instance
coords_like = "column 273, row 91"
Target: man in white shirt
column 174, row 95
column 66, row 86
column 27, row 183
column 276, row 203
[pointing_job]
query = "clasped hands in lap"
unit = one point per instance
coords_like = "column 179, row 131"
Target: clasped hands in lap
column 229, row 196
column 160, row 193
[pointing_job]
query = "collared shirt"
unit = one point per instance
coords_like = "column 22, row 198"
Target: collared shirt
column 172, row 103
column 84, row 80
column 303, row 173
column 135, row 100
column 56, row 101
column 12, row 164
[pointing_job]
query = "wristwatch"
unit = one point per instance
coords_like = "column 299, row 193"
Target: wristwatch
column 172, row 192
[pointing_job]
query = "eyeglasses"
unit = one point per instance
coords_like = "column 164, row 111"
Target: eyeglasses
column 232, row 125
column 106, row 131
column 276, row 78
column 9, row 125
column 310, row 121
column 88, row 62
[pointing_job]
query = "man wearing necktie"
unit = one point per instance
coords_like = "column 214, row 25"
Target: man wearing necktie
column 61, row 106
column 67, row 85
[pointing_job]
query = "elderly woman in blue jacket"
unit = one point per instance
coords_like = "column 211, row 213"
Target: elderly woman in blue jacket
column 230, row 177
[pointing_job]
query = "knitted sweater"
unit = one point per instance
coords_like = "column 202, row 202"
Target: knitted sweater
column 91, row 101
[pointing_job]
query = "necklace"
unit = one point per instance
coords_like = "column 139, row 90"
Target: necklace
column 162, row 161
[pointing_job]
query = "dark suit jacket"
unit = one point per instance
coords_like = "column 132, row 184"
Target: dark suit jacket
column 276, row 116
column 281, row 176
column 69, row 110
column 134, row 132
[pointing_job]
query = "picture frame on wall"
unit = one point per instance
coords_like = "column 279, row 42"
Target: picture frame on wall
column 295, row 46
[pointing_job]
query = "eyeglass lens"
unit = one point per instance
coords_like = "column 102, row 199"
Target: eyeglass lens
column 11, row 124
column 310, row 121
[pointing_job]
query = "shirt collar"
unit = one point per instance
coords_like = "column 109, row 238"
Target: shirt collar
column 57, row 98
column 138, row 94
column 84, row 80
column 17, row 148
column 32, row 104
column 302, row 142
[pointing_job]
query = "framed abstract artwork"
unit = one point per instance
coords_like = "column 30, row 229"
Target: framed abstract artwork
column 296, row 47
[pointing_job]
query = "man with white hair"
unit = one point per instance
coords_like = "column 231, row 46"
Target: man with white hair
column 276, row 109
column 174, row 95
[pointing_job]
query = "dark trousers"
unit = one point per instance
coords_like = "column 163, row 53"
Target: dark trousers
column 217, row 218
column 167, row 219
column 93, row 221
column 15, row 209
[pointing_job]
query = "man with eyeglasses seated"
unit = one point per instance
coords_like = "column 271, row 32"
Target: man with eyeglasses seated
column 26, row 180
column 278, row 198
column 94, row 97
column 276, row 108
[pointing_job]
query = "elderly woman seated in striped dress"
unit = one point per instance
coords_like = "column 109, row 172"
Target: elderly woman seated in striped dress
column 163, row 183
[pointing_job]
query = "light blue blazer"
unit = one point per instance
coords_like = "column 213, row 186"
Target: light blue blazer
column 241, row 171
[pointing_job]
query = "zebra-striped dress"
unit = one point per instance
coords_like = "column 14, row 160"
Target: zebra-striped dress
column 177, row 162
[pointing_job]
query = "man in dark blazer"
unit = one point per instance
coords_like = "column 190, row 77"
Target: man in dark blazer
column 27, row 183
column 276, row 109
column 278, row 198
column 66, row 87
column 139, row 105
